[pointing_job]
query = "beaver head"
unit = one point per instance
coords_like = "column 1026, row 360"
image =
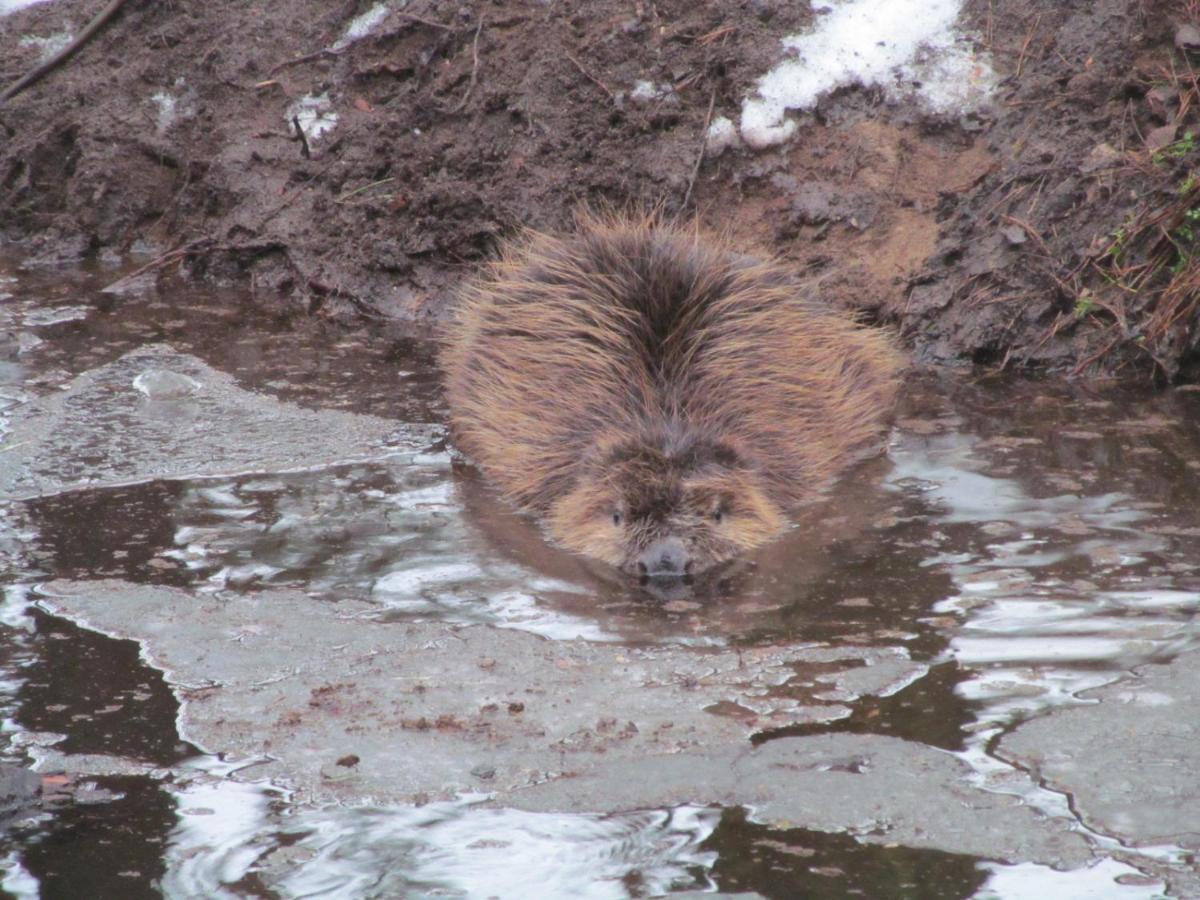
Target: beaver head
column 665, row 508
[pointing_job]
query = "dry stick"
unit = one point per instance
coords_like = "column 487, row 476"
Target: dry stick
column 301, row 137
column 429, row 22
column 590, row 77
column 716, row 34
column 329, row 52
column 474, row 69
column 157, row 262
column 295, row 192
column 1029, row 230
column 307, row 57
column 712, row 99
column 1028, row 41
column 1097, row 356
column 65, row 53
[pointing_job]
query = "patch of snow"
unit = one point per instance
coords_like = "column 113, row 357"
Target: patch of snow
column 909, row 48
column 315, row 113
column 48, row 46
column 11, row 6
column 163, row 384
column 648, row 91
column 722, row 134
column 361, row 25
column 166, row 110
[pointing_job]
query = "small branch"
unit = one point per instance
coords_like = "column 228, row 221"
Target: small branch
column 358, row 190
column 300, row 136
column 156, row 263
column 295, row 192
column 299, row 60
column 429, row 22
column 192, row 248
column 474, row 68
column 328, row 52
column 712, row 99
column 93, row 27
column 1025, row 45
column 716, row 34
column 590, row 77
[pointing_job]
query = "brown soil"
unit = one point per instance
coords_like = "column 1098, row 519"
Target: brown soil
column 988, row 238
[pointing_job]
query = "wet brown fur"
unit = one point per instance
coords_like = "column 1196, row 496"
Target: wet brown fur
column 638, row 380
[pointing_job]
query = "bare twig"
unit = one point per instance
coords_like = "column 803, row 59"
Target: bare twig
column 1095, row 357
column 590, row 77
column 1025, row 46
column 474, row 68
column 295, row 192
column 358, row 190
column 716, row 34
column 429, row 22
column 712, row 100
column 90, row 31
column 301, row 137
column 1029, row 230
column 156, row 263
column 329, row 52
column 307, row 57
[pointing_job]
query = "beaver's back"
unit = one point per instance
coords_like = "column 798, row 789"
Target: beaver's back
column 631, row 328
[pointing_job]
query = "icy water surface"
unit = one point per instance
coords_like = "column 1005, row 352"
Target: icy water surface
column 270, row 508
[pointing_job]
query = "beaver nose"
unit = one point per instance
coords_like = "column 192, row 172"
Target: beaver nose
column 666, row 556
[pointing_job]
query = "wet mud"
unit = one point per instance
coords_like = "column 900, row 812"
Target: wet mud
column 1053, row 226
column 265, row 636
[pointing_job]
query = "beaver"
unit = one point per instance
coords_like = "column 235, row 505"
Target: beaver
column 658, row 401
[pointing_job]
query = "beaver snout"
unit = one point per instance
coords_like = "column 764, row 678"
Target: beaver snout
column 665, row 556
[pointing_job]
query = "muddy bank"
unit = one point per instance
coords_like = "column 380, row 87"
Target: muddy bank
column 1052, row 225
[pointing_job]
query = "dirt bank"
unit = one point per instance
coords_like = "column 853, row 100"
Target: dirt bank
column 1054, row 227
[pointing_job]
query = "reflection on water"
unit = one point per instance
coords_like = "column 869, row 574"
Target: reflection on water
column 495, row 853
column 1026, row 541
column 221, row 832
column 1054, row 593
column 1106, row 879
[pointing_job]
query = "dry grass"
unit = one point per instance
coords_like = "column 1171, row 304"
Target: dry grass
column 1141, row 293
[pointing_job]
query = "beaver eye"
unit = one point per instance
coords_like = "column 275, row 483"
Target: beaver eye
column 718, row 515
column 616, row 518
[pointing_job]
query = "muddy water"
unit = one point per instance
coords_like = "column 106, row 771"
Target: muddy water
column 1021, row 545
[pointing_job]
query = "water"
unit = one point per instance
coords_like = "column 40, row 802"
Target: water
column 1021, row 544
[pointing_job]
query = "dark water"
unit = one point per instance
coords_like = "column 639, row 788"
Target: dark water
column 1025, row 541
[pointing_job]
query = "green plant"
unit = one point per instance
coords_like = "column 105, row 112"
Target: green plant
column 1120, row 242
column 1181, row 147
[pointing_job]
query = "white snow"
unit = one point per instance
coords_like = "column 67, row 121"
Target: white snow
column 909, row 48
column 315, row 113
column 648, row 91
column 48, row 46
column 11, row 6
column 722, row 134
column 166, row 109
column 361, row 25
